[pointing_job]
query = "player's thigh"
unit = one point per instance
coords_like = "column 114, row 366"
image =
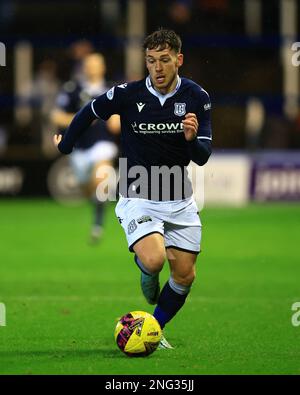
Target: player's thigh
column 183, row 237
column 144, row 231
column 151, row 251
column 182, row 265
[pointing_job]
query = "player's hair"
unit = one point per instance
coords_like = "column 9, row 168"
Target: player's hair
column 161, row 39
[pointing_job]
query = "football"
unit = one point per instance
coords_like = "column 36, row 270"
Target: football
column 137, row 334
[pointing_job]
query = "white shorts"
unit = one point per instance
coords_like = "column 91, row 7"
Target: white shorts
column 83, row 160
column 177, row 221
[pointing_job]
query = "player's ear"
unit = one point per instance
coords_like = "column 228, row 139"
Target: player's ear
column 179, row 59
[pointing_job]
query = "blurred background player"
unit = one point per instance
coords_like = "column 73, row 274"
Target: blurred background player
column 98, row 145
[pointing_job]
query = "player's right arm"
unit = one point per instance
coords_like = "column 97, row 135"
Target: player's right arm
column 103, row 107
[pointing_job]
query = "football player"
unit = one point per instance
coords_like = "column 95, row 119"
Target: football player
column 97, row 146
column 166, row 123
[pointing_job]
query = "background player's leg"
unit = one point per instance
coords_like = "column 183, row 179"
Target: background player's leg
column 150, row 256
column 98, row 205
column 175, row 291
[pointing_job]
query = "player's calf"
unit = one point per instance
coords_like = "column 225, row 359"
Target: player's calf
column 149, row 282
column 170, row 301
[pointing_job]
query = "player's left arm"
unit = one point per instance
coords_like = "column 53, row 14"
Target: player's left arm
column 197, row 130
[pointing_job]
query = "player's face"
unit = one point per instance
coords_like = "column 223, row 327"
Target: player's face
column 163, row 68
column 94, row 67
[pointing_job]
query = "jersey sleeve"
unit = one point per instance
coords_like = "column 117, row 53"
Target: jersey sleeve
column 204, row 115
column 110, row 103
column 200, row 148
column 102, row 107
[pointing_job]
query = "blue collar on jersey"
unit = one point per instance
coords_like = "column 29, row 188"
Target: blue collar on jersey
column 162, row 98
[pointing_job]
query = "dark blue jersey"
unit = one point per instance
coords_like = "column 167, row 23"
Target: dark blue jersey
column 151, row 130
column 71, row 99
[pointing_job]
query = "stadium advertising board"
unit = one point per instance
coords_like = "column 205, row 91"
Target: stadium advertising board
column 276, row 177
column 228, row 179
column 23, row 178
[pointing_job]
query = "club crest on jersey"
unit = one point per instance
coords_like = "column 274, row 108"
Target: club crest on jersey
column 110, row 93
column 132, row 226
column 179, row 109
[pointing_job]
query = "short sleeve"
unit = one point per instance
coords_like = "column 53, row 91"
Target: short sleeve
column 109, row 103
column 204, row 115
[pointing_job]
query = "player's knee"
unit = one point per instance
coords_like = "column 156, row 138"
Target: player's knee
column 154, row 262
column 185, row 279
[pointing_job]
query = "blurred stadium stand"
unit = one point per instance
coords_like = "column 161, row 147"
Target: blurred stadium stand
column 233, row 48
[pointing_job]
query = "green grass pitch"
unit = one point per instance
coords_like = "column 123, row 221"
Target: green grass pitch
column 63, row 296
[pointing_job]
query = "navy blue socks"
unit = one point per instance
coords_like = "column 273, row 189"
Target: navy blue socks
column 171, row 299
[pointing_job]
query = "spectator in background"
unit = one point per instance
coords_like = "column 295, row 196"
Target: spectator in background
column 97, row 146
column 177, row 14
column 180, row 12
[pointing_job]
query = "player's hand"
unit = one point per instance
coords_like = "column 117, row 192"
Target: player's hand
column 57, row 139
column 190, row 126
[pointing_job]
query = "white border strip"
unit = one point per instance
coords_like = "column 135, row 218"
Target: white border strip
column 92, row 105
column 204, row 137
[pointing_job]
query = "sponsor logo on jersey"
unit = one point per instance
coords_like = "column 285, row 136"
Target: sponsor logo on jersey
column 110, row 93
column 158, row 128
column 123, row 86
column 179, row 109
column 140, row 106
column 207, row 106
column 144, row 218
